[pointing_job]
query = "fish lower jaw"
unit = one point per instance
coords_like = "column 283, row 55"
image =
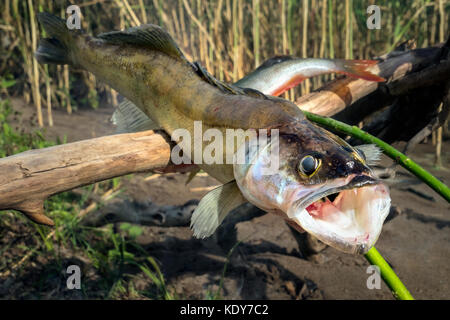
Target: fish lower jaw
column 351, row 223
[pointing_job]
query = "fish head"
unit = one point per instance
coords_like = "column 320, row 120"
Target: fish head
column 322, row 185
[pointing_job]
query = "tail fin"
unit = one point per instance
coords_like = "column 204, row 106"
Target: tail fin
column 55, row 49
column 358, row 69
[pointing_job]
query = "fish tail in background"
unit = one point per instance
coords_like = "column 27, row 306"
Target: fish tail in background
column 57, row 48
column 358, row 69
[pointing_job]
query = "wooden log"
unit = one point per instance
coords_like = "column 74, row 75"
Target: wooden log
column 144, row 213
column 28, row 178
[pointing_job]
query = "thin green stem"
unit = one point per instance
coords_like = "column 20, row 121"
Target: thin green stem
column 393, row 153
column 330, row 28
column 390, row 278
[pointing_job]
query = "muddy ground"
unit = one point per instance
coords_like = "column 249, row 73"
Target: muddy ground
column 268, row 264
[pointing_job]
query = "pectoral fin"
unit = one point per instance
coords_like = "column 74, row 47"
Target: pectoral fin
column 371, row 152
column 214, row 207
column 129, row 118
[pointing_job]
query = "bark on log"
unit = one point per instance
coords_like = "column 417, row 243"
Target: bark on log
column 148, row 213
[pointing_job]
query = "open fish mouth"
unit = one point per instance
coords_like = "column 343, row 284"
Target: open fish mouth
column 347, row 216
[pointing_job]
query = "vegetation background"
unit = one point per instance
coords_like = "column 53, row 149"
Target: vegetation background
column 229, row 37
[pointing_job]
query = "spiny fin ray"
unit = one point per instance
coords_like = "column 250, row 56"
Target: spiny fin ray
column 225, row 87
column 371, row 152
column 149, row 35
column 129, row 118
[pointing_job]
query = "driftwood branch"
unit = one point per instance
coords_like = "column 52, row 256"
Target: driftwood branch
column 435, row 123
column 144, row 213
column 409, row 113
column 28, row 178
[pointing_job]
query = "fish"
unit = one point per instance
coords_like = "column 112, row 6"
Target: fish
column 282, row 73
column 165, row 91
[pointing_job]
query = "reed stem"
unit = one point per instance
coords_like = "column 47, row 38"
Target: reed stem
column 394, row 283
column 35, row 79
column 305, row 11
column 256, row 32
column 330, row 28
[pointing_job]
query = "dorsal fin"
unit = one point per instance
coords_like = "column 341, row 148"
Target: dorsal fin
column 254, row 93
column 155, row 38
column 148, row 35
column 206, row 76
column 225, row 87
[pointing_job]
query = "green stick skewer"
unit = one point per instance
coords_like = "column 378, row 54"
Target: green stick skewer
column 393, row 153
column 390, row 278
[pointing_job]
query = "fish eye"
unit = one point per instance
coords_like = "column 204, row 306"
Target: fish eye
column 309, row 165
